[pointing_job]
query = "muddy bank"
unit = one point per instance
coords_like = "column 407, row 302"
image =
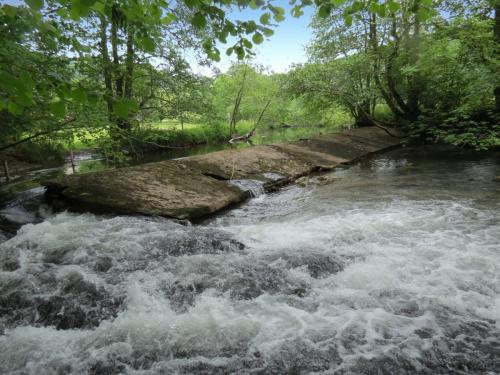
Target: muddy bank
column 195, row 187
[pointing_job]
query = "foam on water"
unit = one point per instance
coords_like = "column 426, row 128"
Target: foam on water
column 254, row 187
column 379, row 272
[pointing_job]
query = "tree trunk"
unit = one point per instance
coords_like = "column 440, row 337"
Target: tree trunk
column 376, row 68
column 414, row 80
column 497, row 51
column 106, row 66
column 117, row 74
column 6, row 171
column 405, row 110
column 129, row 63
column 237, row 102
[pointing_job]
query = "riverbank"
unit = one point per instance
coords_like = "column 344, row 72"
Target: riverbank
column 195, row 187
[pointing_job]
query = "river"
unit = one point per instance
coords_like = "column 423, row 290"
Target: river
column 392, row 269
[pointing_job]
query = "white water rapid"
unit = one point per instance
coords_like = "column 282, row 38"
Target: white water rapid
column 392, row 269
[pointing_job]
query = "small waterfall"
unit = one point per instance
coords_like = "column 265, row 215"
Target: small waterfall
column 254, row 187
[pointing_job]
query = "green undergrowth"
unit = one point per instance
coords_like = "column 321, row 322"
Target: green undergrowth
column 479, row 130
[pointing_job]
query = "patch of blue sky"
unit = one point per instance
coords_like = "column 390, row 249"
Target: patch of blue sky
column 278, row 52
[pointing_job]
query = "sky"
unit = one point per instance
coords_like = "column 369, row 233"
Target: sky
column 277, row 53
column 285, row 47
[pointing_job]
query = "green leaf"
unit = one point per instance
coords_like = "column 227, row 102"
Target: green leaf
column 81, row 8
column 240, row 52
column 9, row 10
column 122, row 108
column 192, row 3
column 214, row 55
column 393, row 6
column 100, row 8
column 79, row 95
column 257, row 38
column 348, row 20
column 267, row 31
column 24, row 98
column 253, row 5
column 324, row 11
column 337, row 3
column 251, row 26
column 423, row 14
column 264, row 19
column 278, row 13
column 247, row 43
column 147, row 44
column 297, row 11
column 13, row 108
column 35, row 4
column 169, row 18
column 58, row 108
column 357, row 6
column 199, row 20
column 26, row 80
column 207, row 45
column 8, row 82
column 381, row 11
column 93, row 98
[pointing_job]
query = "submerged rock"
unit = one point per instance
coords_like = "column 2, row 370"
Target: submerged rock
column 317, row 180
column 103, row 264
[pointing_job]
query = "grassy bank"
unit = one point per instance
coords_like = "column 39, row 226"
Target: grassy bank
column 158, row 136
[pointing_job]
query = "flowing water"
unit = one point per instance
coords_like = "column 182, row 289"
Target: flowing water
column 392, row 269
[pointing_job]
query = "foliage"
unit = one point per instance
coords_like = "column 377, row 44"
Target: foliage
column 341, row 83
column 430, row 64
column 102, row 46
column 99, row 72
column 480, row 130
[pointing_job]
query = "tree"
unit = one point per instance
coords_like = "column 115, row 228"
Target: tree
column 114, row 36
column 342, row 82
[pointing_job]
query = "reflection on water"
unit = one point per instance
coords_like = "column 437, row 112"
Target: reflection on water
column 392, row 269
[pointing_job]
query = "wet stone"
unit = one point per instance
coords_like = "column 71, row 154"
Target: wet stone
column 13, row 301
column 318, row 265
column 103, row 264
column 9, row 260
column 106, row 368
column 409, row 308
column 64, row 313
column 11, row 265
column 74, row 283
column 192, row 242
column 249, row 282
column 386, row 364
column 182, row 296
column 300, row 356
column 57, row 255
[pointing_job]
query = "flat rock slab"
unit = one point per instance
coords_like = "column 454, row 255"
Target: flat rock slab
column 172, row 189
column 198, row 186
